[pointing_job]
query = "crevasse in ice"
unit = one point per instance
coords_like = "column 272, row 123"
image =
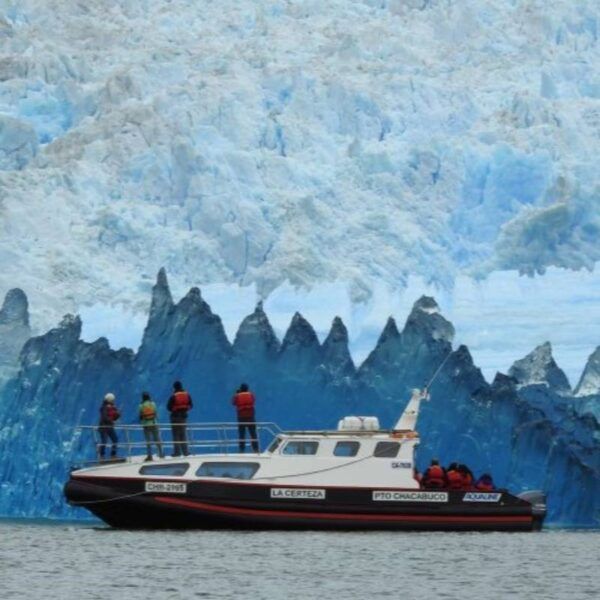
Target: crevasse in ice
column 527, row 429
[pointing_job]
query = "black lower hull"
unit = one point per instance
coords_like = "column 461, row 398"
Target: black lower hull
column 125, row 504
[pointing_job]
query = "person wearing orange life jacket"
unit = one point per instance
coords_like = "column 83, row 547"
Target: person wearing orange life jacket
column 148, row 417
column 454, row 477
column 180, row 403
column 244, row 401
column 434, row 477
column 109, row 414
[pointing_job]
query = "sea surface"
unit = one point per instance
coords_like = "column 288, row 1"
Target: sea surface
column 67, row 560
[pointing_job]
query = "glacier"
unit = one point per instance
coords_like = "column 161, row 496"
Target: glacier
column 527, row 427
column 335, row 159
column 293, row 142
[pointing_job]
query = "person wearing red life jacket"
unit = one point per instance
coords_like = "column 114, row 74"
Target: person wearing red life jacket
column 485, row 483
column 454, row 477
column 179, row 404
column 435, row 476
column 244, row 402
column 109, row 414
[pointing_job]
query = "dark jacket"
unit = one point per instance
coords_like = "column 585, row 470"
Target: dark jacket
column 108, row 414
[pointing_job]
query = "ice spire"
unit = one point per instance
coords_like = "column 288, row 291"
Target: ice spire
column 193, row 301
column 589, row 383
column 336, row 354
column 539, row 367
column 426, row 321
column 300, row 349
column 387, row 349
column 256, row 331
column 390, row 332
column 161, row 295
column 300, row 333
column 15, row 309
column 14, row 330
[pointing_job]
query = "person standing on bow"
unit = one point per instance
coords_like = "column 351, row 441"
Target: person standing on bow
column 109, row 414
column 244, row 401
column 180, row 403
column 148, row 416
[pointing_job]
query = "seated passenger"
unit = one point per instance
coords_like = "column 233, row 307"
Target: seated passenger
column 454, row 477
column 434, row 477
column 466, row 476
column 485, row 483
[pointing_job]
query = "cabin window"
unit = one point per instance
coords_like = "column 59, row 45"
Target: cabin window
column 303, row 448
column 346, row 449
column 233, row 470
column 170, row 470
column 275, row 444
column 386, row 449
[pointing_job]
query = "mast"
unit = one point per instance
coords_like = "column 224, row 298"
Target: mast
column 408, row 419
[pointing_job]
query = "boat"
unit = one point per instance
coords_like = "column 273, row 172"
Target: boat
column 355, row 477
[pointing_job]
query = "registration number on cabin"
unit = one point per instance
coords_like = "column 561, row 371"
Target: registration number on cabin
column 297, row 494
column 416, row 496
column 166, row 487
column 402, row 464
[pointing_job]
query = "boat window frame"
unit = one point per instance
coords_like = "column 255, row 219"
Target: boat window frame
column 353, row 443
column 145, row 468
column 276, row 443
column 389, row 444
column 308, row 442
column 255, row 466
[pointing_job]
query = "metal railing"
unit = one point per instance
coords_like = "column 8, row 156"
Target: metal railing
column 201, row 438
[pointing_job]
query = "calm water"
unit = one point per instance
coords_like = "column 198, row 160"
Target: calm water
column 79, row 561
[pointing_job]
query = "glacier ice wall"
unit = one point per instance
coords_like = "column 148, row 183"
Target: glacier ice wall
column 526, row 428
column 350, row 140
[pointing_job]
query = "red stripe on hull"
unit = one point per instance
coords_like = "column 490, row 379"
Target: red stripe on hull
column 252, row 512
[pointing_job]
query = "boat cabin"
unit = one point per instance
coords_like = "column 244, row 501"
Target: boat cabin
column 353, row 455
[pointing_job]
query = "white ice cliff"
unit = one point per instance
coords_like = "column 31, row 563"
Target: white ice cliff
column 309, row 141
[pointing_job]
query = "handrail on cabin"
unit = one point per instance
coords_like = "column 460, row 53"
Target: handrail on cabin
column 221, row 441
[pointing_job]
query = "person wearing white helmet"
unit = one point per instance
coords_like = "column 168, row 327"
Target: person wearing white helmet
column 109, row 414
